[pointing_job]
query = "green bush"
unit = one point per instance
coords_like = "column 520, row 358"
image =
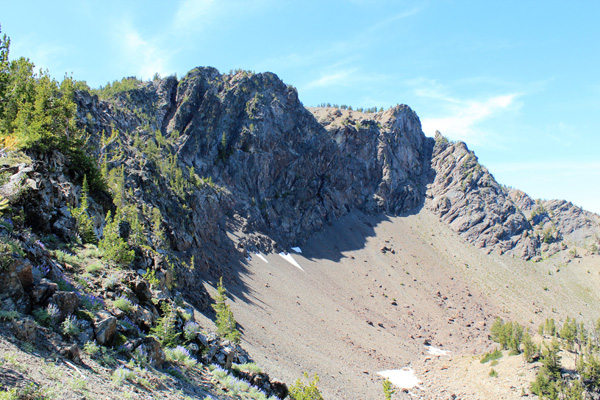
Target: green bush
column 529, row 348
column 247, row 367
column 547, row 381
column 70, row 326
column 494, row 355
column 306, row 391
column 123, row 304
column 509, row 335
column 181, row 356
column 91, row 349
column 9, row 315
column 94, row 268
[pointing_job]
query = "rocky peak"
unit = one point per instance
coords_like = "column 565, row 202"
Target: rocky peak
column 467, row 197
column 275, row 171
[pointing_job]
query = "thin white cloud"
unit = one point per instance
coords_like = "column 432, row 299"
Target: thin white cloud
column 394, row 18
column 193, row 14
column 144, row 56
column 331, row 79
column 45, row 55
column 461, row 118
column 337, row 76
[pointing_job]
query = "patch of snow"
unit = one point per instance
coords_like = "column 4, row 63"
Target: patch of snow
column 404, row 378
column 297, row 249
column 288, row 257
column 437, row 352
column 262, row 257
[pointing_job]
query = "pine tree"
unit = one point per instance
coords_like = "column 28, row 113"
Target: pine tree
column 388, row 391
column 529, row 348
column 4, row 72
column 226, row 324
column 115, row 248
column 306, row 391
column 85, row 224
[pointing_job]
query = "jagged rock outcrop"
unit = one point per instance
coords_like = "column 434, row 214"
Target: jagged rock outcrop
column 262, row 164
column 555, row 220
column 467, row 197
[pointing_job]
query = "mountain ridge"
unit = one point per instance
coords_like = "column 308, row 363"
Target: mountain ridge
column 206, row 172
column 232, row 127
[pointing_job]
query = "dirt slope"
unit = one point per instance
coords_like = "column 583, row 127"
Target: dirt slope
column 373, row 290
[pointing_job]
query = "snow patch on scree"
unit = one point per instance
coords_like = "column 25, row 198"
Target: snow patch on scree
column 404, row 378
column 288, row 257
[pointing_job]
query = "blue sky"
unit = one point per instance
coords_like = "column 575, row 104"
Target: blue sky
column 518, row 81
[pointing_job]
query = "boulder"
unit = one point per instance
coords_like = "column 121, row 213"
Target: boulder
column 67, row 303
column 279, row 389
column 105, row 327
column 25, row 274
column 43, row 291
column 142, row 290
column 71, row 352
column 12, row 292
column 150, row 347
column 25, row 329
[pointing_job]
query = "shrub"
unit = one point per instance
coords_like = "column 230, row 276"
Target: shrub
column 247, row 367
column 508, row 335
column 112, row 281
column 91, row 349
column 306, row 391
column 122, row 374
column 494, row 355
column 190, row 330
column 85, row 224
column 529, row 348
column 388, row 391
column 123, row 304
column 47, row 316
column 8, row 315
column 493, row 373
column 94, row 268
column 150, row 276
column 70, row 326
column 181, row 356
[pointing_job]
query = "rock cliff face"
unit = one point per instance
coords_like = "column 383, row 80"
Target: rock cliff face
column 238, row 153
column 274, row 173
column 467, row 197
column 557, row 220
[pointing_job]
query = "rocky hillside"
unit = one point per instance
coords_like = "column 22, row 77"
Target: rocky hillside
column 192, row 176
